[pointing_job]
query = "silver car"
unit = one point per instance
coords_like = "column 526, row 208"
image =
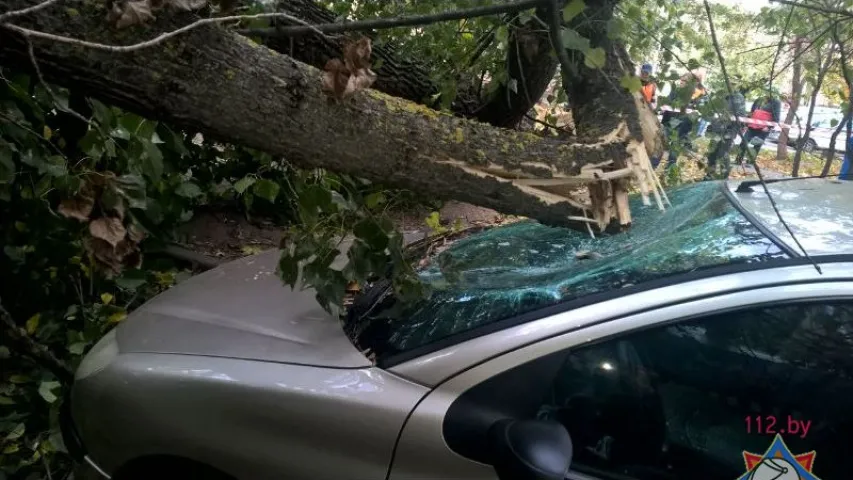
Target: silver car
column 704, row 343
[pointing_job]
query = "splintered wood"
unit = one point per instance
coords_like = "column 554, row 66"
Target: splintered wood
column 600, row 191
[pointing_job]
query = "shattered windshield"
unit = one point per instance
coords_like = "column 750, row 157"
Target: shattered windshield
column 511, row 270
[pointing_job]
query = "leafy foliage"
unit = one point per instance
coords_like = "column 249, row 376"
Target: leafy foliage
column 87, row 207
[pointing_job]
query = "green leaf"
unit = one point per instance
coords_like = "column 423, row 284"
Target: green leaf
column 433, row 221
column 152, row 161
column 77, row 348
column 132, row 188
column 6, row 400
column 241, row 185
column 120, row 132
column 16, row 432
column 102, row 113
column 33, row 323
column 615, row 28
column 7, row 165
column 631, row 83
column 188, row 190
column 371, row 233
column 572, row 40
column 316, row 197
column 266, row 189
column 91, row 144
column 174, row 140
column 573, row 9
column 54, row 166
column 595, row 58
column 374, row 199
column 46, row 391
column 131, row 280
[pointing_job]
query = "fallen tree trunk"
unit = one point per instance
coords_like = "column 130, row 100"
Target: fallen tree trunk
column 232, row 89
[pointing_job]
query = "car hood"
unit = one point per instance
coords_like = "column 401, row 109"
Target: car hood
column 240, row 310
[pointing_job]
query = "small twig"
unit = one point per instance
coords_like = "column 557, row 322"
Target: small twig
column 156, row 40
column 658, row 40
column 779, row 50
column 546, row 124
column 404, row 21
column 801, row 53
column 50, row 92
column 34, row 133
column 817, row 8
column 740, row 133
column 24, row 11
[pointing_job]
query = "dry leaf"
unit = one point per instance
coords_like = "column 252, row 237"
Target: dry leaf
column 79, row 207
column 344, row 78
column 357, row 54
column 361, row 80
column 186, row 5
column 135, row 234
column 109, row 229
column 128, row 13
column 104, row 254
column 112, row 259
column 336, row 78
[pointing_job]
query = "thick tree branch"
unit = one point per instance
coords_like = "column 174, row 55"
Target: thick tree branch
column 233, row 89
column 383, row 23
column 555, row 28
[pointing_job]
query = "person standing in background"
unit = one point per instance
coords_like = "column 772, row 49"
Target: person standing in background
column 686, row 94
column 729, row 127
column 765, row 109
column 650, row 87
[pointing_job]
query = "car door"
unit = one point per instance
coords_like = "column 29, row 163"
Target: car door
column 677, row 393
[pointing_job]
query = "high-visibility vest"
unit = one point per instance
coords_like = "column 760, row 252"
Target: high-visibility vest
column 649, row 91
column 759, row 114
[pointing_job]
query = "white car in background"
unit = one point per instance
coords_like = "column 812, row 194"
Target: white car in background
column 824, row 123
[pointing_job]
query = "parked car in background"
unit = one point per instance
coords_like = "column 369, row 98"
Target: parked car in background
column 824, row 124
column 542, row 353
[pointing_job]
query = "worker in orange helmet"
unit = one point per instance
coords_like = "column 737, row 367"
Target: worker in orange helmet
column 650, row 87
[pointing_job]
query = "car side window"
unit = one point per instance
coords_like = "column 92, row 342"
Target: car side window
column 687, row 400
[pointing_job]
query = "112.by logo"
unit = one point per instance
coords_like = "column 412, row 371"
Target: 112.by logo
column 778, row 463
column 770, row 425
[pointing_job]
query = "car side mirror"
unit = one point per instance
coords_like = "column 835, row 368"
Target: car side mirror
column 530, row 449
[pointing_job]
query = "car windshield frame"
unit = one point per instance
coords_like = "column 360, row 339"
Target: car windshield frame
column 717, row 193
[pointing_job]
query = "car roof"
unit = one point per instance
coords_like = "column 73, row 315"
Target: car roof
column 819, row 211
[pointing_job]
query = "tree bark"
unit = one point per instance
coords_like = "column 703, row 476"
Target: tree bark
column 235, row 90
column 602, row 109
column 796, row 95
column 529, row 63
column 824, row 68
column 848, row 80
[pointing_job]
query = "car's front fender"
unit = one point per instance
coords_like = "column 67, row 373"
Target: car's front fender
column 249, row 419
